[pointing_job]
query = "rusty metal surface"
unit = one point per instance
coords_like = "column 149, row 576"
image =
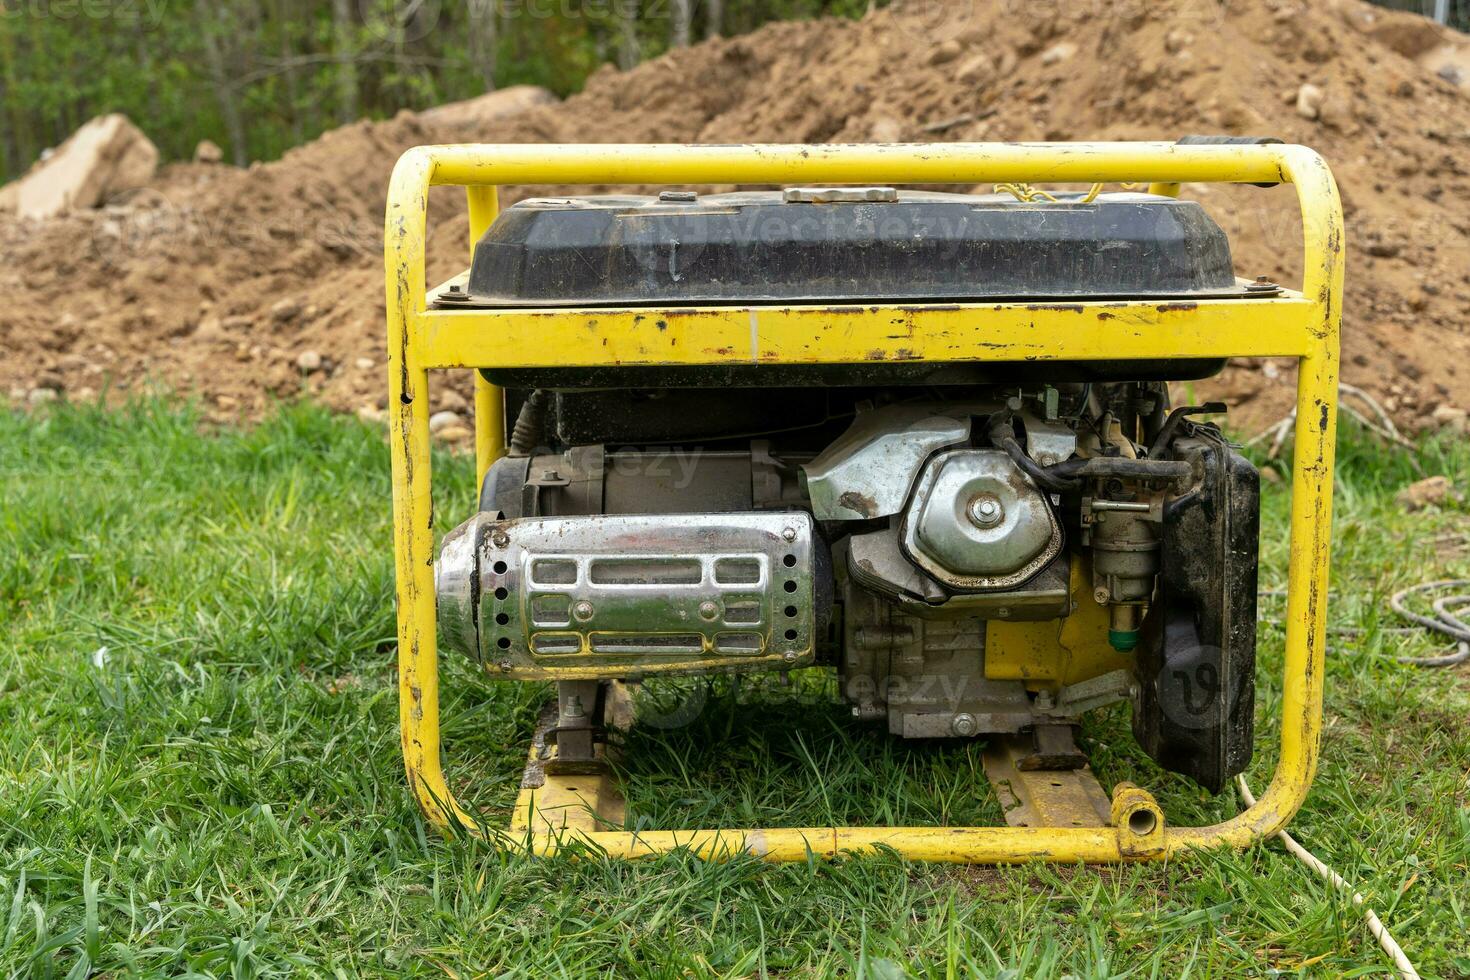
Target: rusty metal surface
column 558, row 804
column 1043, row 798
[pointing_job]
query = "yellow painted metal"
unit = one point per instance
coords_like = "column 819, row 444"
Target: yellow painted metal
column 1304, row 325
column 858, row 334
column 484, row 207
column 1045, row 797
column 562, row 805
column 1056, row 652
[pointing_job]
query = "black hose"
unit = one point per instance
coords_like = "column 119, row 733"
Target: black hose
column 1003, row 436
column 1143, row 469
column 1068, row 474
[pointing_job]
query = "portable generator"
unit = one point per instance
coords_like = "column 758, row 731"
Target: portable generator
column 925, row 440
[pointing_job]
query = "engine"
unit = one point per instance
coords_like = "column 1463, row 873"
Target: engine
column 974, row 550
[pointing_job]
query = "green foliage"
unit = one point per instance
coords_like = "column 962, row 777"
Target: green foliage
column 200, row 773
column 260, row 76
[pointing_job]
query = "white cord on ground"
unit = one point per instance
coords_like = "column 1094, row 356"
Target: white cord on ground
column 1375, row 925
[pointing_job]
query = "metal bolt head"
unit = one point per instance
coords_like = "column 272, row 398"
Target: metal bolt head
column 789, row 534
column 499, row 538
column 708, row 609
column 789, row 656
column 985, row 510
column 583, row 609
column 963, row 724
column 505, row 666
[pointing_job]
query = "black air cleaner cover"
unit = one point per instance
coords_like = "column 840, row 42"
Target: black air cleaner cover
column 762, row 247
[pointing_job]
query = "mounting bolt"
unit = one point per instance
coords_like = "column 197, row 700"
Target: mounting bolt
column 789, row 656
column 583, row 609
column 574, row 707
column 709, row 609
column 1043, row 701
column 505, row 666
column 499, row 538
column 789, row 534
column 985, row 510
column 963, row 724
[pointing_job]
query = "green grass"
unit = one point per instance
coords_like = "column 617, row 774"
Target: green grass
column 199, row 768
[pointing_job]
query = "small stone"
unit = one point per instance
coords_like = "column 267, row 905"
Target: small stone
column 1429, row 492
column 945, row 52
column 364, row 363
column 237, row 323
column 973, row 71
column 1450, row 418
column 309, row 361
column 40, row 396
column 452, row 401
column 885, row 131
column 1176, row 41
column 1335, row 110
column 1058, row 53
column 208, row 151
column 1383, row 250
column 440, row 421
column 285, row 310
column 1309, row 101
column 455, row 433
column 209, row 326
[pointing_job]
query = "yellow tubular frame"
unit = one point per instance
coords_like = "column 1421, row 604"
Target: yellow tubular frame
column 1303, row 325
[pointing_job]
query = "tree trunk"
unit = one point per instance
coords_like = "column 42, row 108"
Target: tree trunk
column 714, row 12
column 16, row 137
column 224, row 89
column 484, row 39
column 343, row 30
column 683, row 19
column 629, row 51
column 284, row 24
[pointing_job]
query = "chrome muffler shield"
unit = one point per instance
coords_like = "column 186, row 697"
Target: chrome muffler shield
column 623, row 595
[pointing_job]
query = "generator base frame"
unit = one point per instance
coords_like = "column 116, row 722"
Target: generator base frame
column 1298, row 324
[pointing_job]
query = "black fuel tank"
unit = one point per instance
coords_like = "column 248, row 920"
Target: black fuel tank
column 807, row 246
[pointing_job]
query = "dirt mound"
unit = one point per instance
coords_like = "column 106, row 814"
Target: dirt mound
column 263, row 283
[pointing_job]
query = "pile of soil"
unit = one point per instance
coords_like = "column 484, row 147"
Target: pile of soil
column 248, row 286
